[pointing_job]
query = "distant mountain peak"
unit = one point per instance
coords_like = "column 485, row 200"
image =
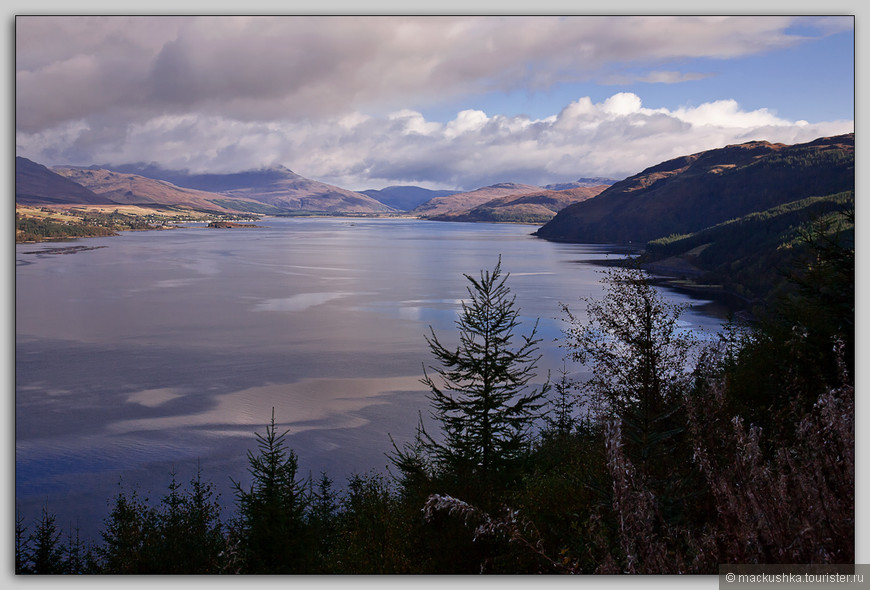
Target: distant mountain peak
column 280, row 168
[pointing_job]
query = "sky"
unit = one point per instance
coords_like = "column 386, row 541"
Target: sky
column 455, row 102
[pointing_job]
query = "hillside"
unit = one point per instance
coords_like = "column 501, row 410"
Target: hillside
column 691, row 193
column 751, row 255
column 132, row 189
column 534, row 207
column 292, row 192
column 278, row 188
column 37, row 185
column 465, row 201
column 581, row 182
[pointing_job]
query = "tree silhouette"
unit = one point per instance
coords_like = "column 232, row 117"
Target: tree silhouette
column 639, row 360
column 481, row 393
column 271, row 528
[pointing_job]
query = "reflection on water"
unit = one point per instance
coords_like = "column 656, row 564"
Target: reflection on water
column 299, row 302
column 156, row 351
column 305, row 405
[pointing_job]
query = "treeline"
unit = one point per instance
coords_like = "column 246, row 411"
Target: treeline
column 32, row 229
column 672, row 457
column 87, row 225
column 500, row 215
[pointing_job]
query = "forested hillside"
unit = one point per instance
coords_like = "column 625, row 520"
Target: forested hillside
column 692, row 193
column 751, row 256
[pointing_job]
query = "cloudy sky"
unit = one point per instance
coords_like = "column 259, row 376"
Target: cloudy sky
column 437, row 101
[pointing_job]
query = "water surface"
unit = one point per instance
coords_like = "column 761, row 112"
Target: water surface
column 158, row 351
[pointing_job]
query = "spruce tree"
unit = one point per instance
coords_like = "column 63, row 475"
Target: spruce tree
column 322, row 519
column 640, row 361
column 128, row 536
column 271, row 527
column 46, row 556
column 76, row 555
column 481, row 392
column 22, row 544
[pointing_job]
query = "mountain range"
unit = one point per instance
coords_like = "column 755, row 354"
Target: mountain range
column 439, row 206
column 280, row 191
column 405, row 198
column 132, row 189
column 729, row 216
column 267, row 191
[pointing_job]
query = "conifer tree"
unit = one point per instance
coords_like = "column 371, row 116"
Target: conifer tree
column 481, row 392
column 128, row 536
column 204, row 530
column 322, row 519
column 271, row 524
column 188, row 535
column 46, row 556
column 561, row 422
column 77, row 557
column 22, row 544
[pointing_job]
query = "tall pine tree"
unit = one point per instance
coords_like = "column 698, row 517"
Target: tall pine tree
column 271, row 528
column 481, row 393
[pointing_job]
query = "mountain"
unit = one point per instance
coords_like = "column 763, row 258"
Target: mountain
column 535, row 207
column 277, row 187
column 214, row 183
column 465, row 201
column 405, row 198
column 581, row 182
column 37, row 185
column 693, row 192
column 132, row 189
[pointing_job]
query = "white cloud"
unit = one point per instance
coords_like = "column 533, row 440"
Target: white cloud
column 727, row 114
column 468, row 121
column 615, row 137
column 342, row 99
column 412, row 122
column 622, row 104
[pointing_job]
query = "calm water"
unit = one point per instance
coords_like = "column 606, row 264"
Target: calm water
column 158, row 351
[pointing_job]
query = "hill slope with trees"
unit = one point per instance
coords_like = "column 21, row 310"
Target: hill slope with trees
column 697, row 191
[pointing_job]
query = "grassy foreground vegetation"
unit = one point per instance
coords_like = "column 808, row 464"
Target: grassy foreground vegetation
column 670, row 458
